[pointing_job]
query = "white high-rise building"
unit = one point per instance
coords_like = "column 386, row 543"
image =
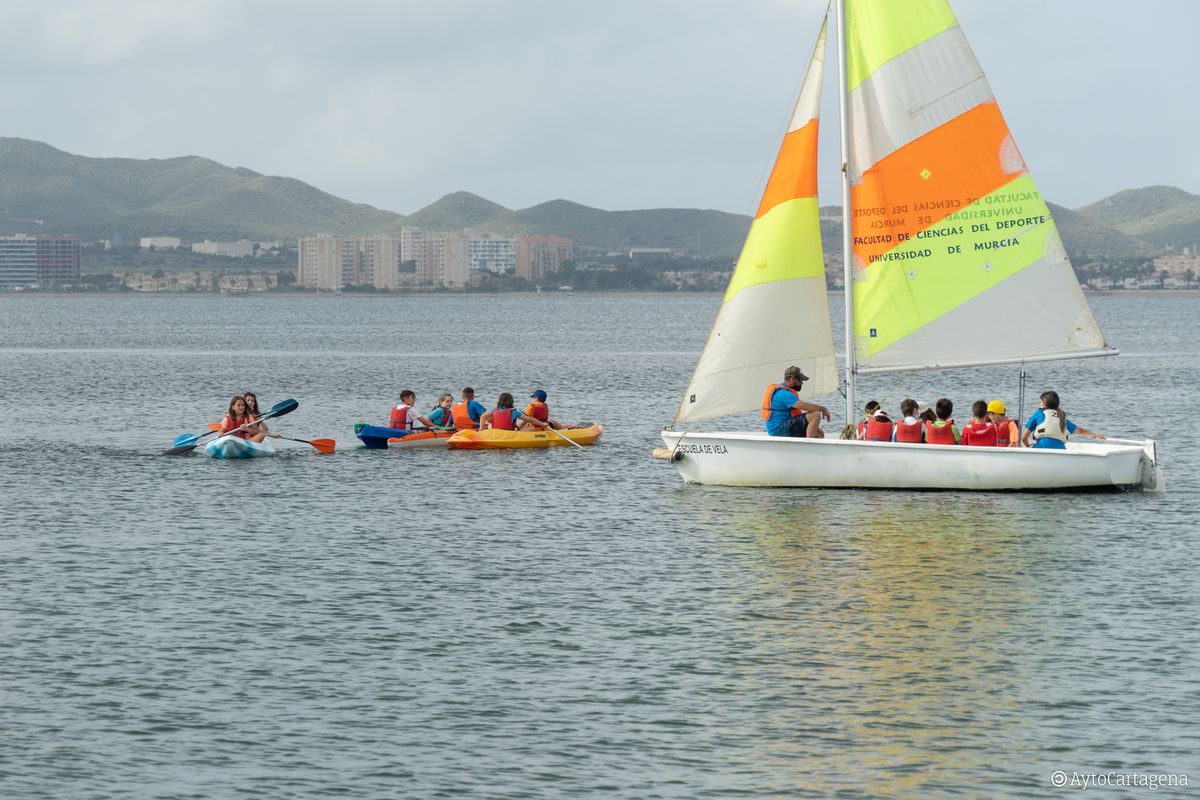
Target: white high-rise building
column 493, row 254
column 18, row 260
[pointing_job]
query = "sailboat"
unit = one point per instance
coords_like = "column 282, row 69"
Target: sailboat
column 944, row 233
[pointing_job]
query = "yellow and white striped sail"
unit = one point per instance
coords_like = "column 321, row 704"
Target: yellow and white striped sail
column 775, row 312
column 956, row 258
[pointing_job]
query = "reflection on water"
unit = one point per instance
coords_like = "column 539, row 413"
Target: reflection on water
column 894, row 617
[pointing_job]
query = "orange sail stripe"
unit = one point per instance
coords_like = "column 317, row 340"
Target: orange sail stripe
column 930, row 178
column 795, row 172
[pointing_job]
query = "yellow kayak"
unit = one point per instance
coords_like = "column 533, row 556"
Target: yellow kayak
column 494, row 439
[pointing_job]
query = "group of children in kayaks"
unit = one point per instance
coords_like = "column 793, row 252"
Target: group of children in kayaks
column 470, row 414
column 1047, row 428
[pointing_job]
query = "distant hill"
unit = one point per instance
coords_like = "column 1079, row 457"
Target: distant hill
column 188, row 196
column 694, row 230
column 195, row 198
column 1086, row 236
column 1161, row 215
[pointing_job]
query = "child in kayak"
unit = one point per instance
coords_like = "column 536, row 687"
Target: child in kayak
column 440, row 415
column 237, row 421
column 538, row 409
column 252, row 409
column 506, row 418
column 404, row 417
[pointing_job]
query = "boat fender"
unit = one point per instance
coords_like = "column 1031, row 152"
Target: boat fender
column 666, row 454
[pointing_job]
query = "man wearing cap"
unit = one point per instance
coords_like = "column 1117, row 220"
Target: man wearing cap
column 1007, row 432
column 786, row 414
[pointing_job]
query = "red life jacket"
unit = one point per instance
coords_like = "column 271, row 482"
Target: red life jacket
column 229, row 423
column 1008, row 434
column 538, row 410
column 502, row 419
column 399, row 418
column 940, row 434
column 462, row 417
column 910, row 432
column 766, row 404
column 979, row 434
column 878, row 430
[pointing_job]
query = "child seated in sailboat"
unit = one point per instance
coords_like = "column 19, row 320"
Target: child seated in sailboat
column 878, row 427
column 1007, row 432
column 1049, row 426
column 943, row 430
column 910, row 429
column 869, row 410
column 980, row 432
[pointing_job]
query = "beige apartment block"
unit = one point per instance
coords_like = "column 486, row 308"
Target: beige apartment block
column 328, row 262
column 540, row 256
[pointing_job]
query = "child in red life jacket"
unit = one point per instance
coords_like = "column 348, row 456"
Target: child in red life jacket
column 878, row 427
column 911, row 429
column 405, row 417
column 1007, row 432
column 869, row 410
column 943, row 430
column 538, row 409
column 506, row 418
column 981, row 432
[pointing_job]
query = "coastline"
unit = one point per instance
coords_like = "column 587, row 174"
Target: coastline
column 556, row 293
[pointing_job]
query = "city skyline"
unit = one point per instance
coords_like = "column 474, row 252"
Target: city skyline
column 627, row 106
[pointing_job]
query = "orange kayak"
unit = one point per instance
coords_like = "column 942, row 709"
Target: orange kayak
column 493, row 439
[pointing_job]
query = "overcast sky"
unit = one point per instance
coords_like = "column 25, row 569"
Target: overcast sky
column 619, row 104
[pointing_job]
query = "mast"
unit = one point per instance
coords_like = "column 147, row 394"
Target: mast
column 847, row 263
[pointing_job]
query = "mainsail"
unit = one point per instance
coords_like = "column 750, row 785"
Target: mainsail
column 775, row 311
column 956, row 259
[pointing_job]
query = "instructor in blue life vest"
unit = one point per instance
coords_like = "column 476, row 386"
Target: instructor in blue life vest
column 786, row 414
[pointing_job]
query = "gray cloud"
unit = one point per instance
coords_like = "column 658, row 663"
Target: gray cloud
column 620, row 105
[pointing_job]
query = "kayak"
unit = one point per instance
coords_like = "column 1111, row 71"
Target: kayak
column 380, row 438
column 492, row 439
column 237, row 447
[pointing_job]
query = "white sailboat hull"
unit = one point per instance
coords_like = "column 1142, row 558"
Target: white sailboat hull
column 757, row 459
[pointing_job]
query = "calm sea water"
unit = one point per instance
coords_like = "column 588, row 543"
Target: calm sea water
column 557, row 623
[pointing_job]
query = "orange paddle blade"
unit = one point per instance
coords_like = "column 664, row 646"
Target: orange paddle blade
column 214, row 426
column 324, row 445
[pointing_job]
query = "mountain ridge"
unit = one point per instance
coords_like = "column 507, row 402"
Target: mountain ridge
column 43, row 188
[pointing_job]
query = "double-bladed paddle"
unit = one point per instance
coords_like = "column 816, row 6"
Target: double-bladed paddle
column 188, row 442
column 322, row 445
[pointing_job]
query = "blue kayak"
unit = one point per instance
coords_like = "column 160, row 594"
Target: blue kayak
column 237, row 447
column 377, row 437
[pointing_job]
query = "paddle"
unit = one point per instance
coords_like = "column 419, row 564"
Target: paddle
column 187, row 443
column 323, row 445
column 564, row 438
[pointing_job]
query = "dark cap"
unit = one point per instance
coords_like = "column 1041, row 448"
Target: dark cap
column 540, row 394
column 794, row 372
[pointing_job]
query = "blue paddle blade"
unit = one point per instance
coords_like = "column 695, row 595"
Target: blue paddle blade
column 185, row 438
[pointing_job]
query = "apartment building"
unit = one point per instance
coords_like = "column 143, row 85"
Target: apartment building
column 540, row 256
column 327, row 262
column 58, row 259
column 18, row 260
column 28, row 260
column 492, row 254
